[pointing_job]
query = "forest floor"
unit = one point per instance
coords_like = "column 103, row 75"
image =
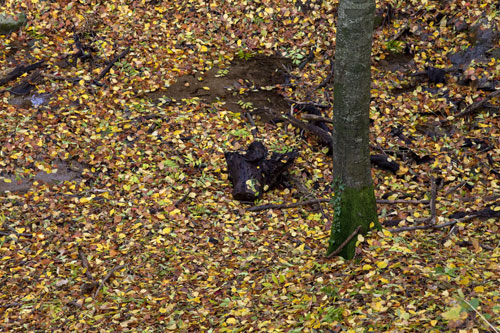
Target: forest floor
column 116, row 211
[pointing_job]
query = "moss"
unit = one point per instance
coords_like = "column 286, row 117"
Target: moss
column 357, row 208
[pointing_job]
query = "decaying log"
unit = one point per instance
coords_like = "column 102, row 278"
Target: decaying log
column 253, row 173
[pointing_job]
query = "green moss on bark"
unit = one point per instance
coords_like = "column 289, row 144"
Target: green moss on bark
column 357, row 208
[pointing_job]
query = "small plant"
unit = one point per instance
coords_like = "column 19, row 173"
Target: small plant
column 332, row 314
column 222, row 72
column 242, row 133
column 295, row 55
column 245, row 105
column 244, row 55
column 394, row 46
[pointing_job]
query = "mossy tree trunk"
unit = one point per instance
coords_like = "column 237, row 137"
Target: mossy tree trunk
column 356, row 205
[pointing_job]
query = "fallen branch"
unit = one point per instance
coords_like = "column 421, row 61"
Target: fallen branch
column 85, row 264
column 106, row 278
column 348, row 239
column 329, row 77
column 481, row 316
column 313, row 117
column 321, row 200
column 396, row 201
column 181, row 200
column 20, row 70
column 111, row 64
column 400, row 33
column 284, row 206
column 432, row 219
column 432, row 226
column 13, row 232
column 475, row 106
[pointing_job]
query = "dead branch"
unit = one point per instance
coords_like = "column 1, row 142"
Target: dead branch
column 181, row 200
column 432, row 226
column 432, row 219
column 475, row 106
column 106, row 278
column 85, row 264
column 313, row 117
column 329, row 77
column 348, row 239
column 401, row 31
column 284, row 206
column 321, row 200
column 111, row 64
column 397, row 201
column 20, row 70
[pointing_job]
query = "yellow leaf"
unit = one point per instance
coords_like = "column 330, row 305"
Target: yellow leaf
column 479, row 289
column 203, row 48
column 464, row 281
column 367, row 267
column 160, row 216
column 453, row 313
column 402, row 171
column 300, row 247
column 387, row 233
column 269, row 10
column 174, row 212
column 382, row 264
column 231, row 321
column 360, row 238
column 85, row 200
column 166, row 230
column 448, row 243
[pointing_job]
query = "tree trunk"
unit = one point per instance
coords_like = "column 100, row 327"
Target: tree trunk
column 356, row 205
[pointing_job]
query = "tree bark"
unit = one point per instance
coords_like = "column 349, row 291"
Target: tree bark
column 351, row 155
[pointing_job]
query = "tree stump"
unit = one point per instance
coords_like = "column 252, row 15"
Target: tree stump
column 253, row 173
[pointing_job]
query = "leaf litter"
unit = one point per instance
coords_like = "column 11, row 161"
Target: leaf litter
column 148, row 238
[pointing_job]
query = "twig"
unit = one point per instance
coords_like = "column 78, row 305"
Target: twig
column 313, row 117
column 284, row 206
column 348, row 239
column 314, row 201
column 454, row 188
column 20, row 70
column 254, row 128
column 475, row 106
column 433, row 226
column 11, row 305
column 328, row 78
column 85, row 264
column 307, row 59
column 422, row 227
column 416, row 202
column 106, row 278
column 60, row 78
column 111, row 64
column 181, row 200
column 404, row 29
column 481, row 316
column 433, row 200
column 13, row 232
column 297, row 103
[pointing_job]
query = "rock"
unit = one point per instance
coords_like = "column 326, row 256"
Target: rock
column 10, row 23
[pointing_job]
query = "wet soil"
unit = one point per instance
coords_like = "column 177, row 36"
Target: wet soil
column 253, row 82
column 63, row 171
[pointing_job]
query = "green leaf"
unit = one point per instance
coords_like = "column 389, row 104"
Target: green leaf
column 453, row 313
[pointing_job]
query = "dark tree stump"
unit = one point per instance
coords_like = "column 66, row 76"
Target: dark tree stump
column 253, row 173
